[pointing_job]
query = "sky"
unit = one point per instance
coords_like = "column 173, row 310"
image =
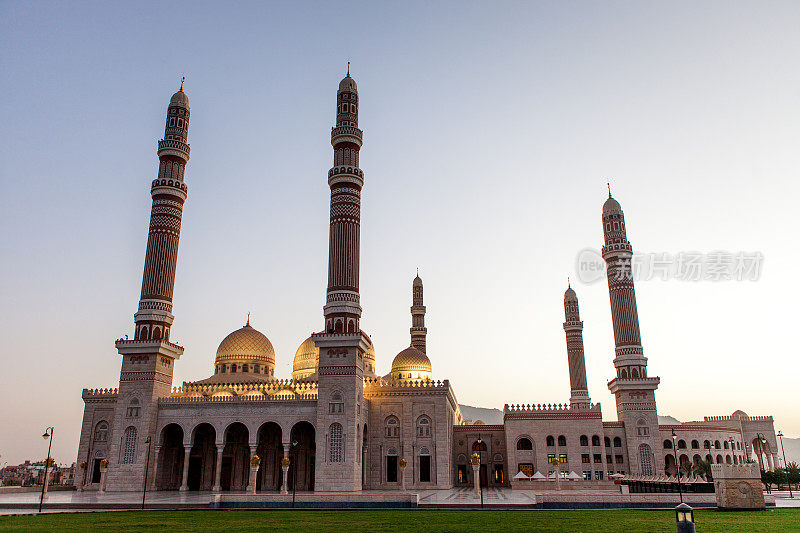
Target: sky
column 490, row 132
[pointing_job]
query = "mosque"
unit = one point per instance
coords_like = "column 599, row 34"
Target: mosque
column 338, row 426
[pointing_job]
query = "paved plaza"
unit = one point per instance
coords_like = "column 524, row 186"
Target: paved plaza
column 68, row 501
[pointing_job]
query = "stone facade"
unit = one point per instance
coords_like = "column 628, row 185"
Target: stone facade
column 339, row 425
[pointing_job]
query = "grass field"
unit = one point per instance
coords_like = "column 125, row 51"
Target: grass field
column 420, row 520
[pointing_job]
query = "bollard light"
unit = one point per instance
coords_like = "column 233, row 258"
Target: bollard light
column 684, row 518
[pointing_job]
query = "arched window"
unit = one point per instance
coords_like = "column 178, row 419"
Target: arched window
column 423, row 427
column 233, row 368
column 245, row 368
column 101, row 432
column 707, row 444
column 667, row 444
column 336, row 405
column 479, row 446
column 133, row 409
column 617, row 442
column 562, row 440
column 584, row 440
column 725, row 444
column 645, row 460
column 623, row 374
column 336, row 443
column 716, row 444
column 695, row 445
column 681, row 444
column 551, row 441
column 524, row 443
column 392, row 427
column 607, row 442
column 634, row 373
column 129, row 445
column 595, row 440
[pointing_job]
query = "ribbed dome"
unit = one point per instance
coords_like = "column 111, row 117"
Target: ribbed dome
column 246, row 345
column 411, row 363
column 348, row 84
column 418, row 281
column 611, row 205
column 180, row 98
column 306, row 360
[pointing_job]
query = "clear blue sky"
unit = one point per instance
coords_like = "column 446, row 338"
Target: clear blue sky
column 490, row 131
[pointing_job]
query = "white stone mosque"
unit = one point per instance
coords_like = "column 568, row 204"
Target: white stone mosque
column 338, row 426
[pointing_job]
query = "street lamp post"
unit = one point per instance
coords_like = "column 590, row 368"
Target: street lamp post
column 48, row 434
column 677, row 465
column 146, row 468
column 294, row 472
column 480, row 461
column 785, row 465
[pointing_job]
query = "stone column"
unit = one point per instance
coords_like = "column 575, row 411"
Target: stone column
column 251, row 484
column 187, row 450
column 84, row 467
column 46, row 481
column 403, row 474
column 102, row 488
column 285, row 472
column 476, row 477
column 154, row 478
column 218, row 468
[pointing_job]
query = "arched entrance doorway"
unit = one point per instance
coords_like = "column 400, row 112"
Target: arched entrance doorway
column 270, row 451
column 202, row 458
column 235, row 458
column 303, row 455
column 170, row 469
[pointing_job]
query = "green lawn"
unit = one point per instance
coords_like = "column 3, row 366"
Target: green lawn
column 417, row 520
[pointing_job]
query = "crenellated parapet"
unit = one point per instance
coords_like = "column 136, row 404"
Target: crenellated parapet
column 269, row 388
column 551, row 411
column 736, row 418
column 228, row 397
column 100, row 395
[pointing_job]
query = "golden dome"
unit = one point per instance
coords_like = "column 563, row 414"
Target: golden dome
column 246, row 345
column 306, row 360
column 411, row 363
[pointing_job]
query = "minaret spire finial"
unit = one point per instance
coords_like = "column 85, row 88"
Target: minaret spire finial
column 568, row 285
column 608, row 183
column 348, row 68
column 248, row 319
column 182, row 80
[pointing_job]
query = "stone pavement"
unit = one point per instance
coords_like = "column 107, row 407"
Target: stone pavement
column 453, row 498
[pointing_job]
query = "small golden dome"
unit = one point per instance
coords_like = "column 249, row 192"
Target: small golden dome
column 306, row 360
column 411, row 363
column 246, row 345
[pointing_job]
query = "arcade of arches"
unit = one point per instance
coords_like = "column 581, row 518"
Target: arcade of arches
column 225, row 465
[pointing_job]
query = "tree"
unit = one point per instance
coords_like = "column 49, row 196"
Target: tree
column 793, row 473
column 703, row 468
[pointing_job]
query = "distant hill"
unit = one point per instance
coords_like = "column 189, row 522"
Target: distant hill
column 488, row 416
column 668, row 420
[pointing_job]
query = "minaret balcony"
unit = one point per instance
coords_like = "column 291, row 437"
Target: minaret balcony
column 342, row 134
column 172, row 147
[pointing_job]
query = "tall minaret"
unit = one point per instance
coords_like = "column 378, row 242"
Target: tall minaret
column 343, row 309
column 148, row 359
column 418, row 329
column 579, row 393
column 154, row 318
column 634, row 391
column 340, row 416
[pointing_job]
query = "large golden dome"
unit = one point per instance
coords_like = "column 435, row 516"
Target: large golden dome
column 306, row 360
column 411, row 363
column 246, row 345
